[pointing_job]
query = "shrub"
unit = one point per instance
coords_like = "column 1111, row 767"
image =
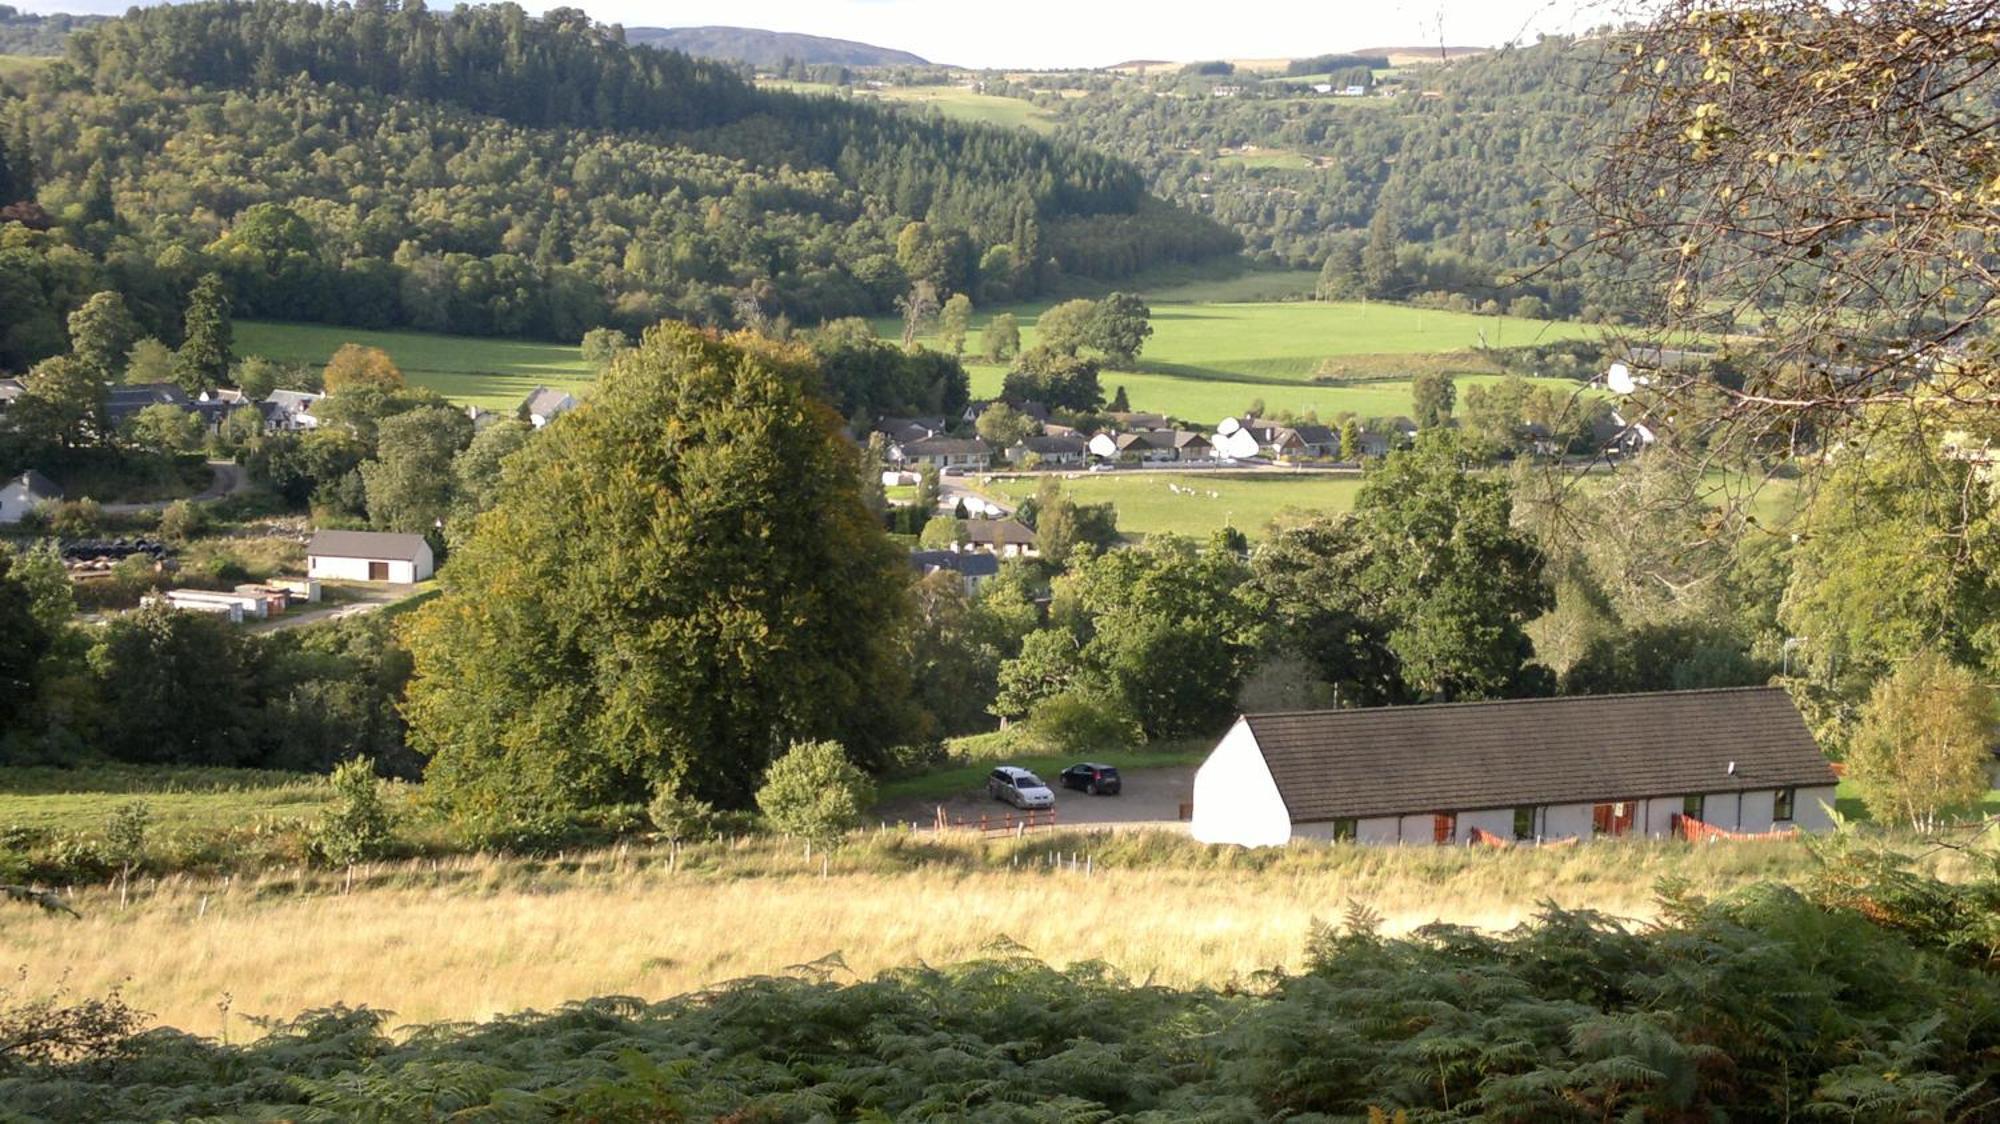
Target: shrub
column 183, row 520
column 814, row 792
column 680, row 817
column 359, row 825
column 1075, row 723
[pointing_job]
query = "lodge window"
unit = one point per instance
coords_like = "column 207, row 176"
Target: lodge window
column 1524, row 823
column 1781, row 805
column 1694, row 807
column 1343, row 831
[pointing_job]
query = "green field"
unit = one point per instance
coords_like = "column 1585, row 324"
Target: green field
column 20, row 66
column 952, row 101
column 1219, row 343
column 1207, row 502
column 496, row 374
column 1269, row 158
column 179, row 798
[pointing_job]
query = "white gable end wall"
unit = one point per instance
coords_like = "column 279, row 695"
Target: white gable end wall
column 1235, row 798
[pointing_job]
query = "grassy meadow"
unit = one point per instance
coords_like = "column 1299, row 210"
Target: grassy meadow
column 955, row 102
column 470, row 937
column 1221, row 341
column 496, row 374
column 179, row 797
column 1148, row 505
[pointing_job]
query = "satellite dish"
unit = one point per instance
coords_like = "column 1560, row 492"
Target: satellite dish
column 1228, row 426
column 1619, row 379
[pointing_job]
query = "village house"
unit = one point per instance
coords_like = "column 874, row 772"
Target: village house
column 368, row 556
column 544, row 405
column 945, row 453
column 1148, row 446
column 10, row 392
column 1052, row 451
column 973, row 568
column 1008, row 538
column 121, row 403
column 289, row 411
column 906, row 430
column 1133, row 419
column 1525, row 770
column 1192, row 446
column 21, row 495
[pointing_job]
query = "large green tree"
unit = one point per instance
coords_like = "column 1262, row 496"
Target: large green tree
column 175, row 689
column 23, row 641
column 203, row 359
column 410, row 482
column 678, row 582
column 101, row 332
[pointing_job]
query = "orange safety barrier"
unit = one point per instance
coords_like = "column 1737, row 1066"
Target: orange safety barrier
column 1695, row 831
column 1006, row 823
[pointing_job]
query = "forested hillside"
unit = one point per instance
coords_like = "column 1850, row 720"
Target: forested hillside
column 768, row 48
column 25, row 33
column 1460, row 164
column 484, row 171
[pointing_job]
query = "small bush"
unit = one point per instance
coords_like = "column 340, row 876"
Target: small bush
column 183, row 520
column 815, row 792
column 359, row 825
column 679, row 817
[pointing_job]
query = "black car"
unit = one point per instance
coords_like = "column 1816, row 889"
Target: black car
column 1097, row 780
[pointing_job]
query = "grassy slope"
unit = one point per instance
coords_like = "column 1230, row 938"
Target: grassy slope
column 83, row 799
column 470, row 937
column 1219, row 344
column 1147, row 504
column 496, row 374
column 952, row 101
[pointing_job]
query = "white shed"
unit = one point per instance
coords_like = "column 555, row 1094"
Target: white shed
column 1526, row 770
column 22, row 494
column 368, row 556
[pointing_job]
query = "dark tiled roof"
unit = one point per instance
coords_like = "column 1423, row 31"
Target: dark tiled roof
column 971, row 564
column 1047, row 445
column 1409, row 760
column 1187, row 439
column 1315, row 434
column 39, row 485
column 998, row 532
column 947, row 447
column 366, row 544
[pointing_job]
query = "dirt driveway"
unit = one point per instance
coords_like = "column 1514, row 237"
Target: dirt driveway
column 1152, row 798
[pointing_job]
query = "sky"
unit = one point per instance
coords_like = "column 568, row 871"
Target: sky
column 1082, row 33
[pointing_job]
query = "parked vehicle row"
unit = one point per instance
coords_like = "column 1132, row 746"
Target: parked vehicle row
column 1023, row 789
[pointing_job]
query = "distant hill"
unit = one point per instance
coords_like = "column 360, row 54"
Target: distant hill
column 1404, row 56
column 768, row 48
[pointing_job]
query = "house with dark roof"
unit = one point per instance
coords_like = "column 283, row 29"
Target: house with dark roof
column 944, row 452
column 1192, row 446
column 121, row 403
column 1526, row 770
column 1050, row 450
column 902, row 431
column 24, row 493
column 971, row 567
column 368, row 556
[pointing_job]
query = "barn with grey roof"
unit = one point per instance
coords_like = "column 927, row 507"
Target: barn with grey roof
column 1738, row 760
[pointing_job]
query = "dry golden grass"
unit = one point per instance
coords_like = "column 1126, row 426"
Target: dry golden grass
column 468, row 938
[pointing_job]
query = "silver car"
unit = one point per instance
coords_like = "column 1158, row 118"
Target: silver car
column 1019, row 787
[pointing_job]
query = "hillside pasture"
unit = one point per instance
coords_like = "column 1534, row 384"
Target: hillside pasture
column 1149, row 504
column 496, row 374
column 955, row 102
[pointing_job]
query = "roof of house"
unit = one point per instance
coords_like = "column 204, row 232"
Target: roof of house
column 296, row 401
column 946, row 447
column 1409, row 760
column 123, row 401
column 38, row 485
column 11, row 389
column 382, row 545
column 1315, row 434
column 1137, row 441
column 1046, row 444
column 971, row 564
column 998, row 532
column 545, row 403
column 1187, row 438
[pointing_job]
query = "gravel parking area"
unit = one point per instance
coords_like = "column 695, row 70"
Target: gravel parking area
column 1152, row 798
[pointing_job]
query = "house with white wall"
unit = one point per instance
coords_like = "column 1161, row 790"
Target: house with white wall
column 368, row 556
column 21, row 495
column 1525, row 770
